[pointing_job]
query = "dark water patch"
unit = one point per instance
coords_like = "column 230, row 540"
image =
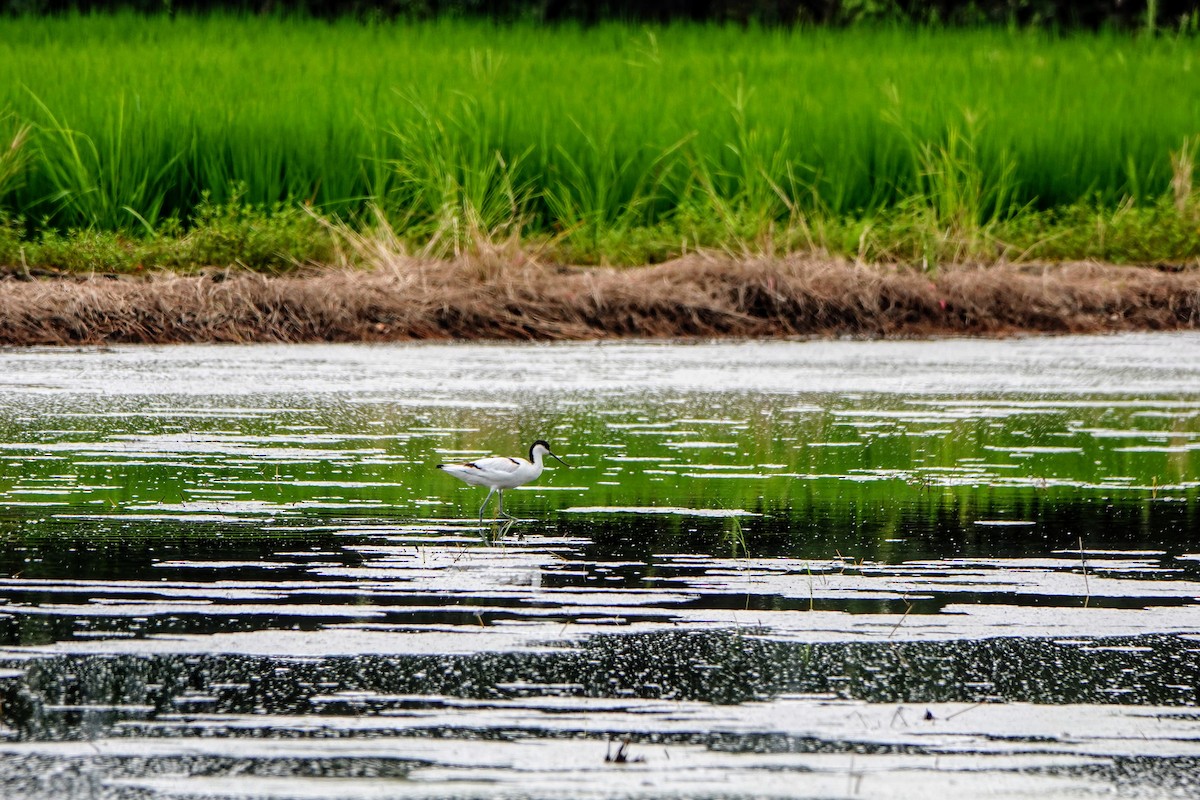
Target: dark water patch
column 72, row 697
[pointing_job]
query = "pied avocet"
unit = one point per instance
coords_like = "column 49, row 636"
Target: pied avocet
column 502, row 472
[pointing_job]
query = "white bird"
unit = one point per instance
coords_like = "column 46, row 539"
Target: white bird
column 502, row 472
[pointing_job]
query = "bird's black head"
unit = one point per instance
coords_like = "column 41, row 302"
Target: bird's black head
column 545, row 445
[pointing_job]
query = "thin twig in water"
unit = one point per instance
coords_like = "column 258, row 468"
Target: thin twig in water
column 908, row 608
column 965, row 710
column 1086, row 589
column 854, row 779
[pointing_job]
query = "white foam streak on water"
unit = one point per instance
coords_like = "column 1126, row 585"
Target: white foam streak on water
column 542, row 769
column 536, row 634
column 1124, row 364
column 995, row 729
column 1009, row 750
column 683, row 512
column 514, row 588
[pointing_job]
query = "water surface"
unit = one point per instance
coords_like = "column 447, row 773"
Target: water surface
column 829, row 568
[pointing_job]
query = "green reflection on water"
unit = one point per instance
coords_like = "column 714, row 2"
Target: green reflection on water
column 868, row 465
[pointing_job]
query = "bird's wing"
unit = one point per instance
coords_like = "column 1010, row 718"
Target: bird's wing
column 496, row 465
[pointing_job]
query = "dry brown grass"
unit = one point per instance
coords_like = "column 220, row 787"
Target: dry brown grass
column 506, row 295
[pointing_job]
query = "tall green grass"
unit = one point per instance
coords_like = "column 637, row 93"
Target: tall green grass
column 592, row 136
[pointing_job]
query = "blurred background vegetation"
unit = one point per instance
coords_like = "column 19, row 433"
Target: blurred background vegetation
column 185, row 133
column 1050, row 13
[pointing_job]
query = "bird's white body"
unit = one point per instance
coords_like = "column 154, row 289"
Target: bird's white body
column 497, row 472
column 501, row 472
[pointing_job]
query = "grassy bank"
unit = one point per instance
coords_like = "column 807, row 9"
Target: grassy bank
column 142, row 142
column 501, row 296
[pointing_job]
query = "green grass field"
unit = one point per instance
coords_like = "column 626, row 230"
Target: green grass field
column 614, row 143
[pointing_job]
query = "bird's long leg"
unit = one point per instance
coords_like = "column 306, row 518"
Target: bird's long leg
column 485, row 502
column 503, row 513
column 508, row 519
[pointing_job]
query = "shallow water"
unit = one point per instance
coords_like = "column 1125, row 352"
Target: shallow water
column 842, row 568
